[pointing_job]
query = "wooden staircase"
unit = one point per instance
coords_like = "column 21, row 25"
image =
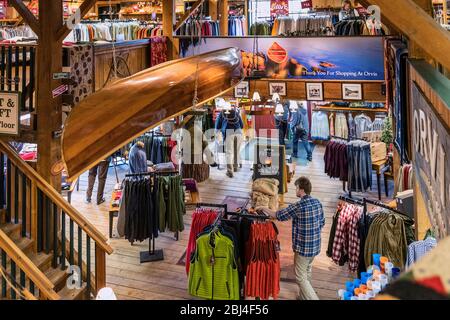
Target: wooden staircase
column 41, row 235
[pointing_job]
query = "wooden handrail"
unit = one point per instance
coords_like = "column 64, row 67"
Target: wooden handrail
column 27, row 266
column 49, row 191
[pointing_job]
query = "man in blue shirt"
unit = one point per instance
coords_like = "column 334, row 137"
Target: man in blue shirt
column 299, row 125
column 231, row 125
column 307, row 223
column 138, row 158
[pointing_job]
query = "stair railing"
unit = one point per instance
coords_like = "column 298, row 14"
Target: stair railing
column 56, row 227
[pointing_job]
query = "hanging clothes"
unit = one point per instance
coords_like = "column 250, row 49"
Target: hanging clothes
column 158, row 49
column 263, row 268
column 346, row 240
column 336, row 159
column 389, row 235
column 359, row 166
column 201, row 218
column 237, row 26
column 169, row 199
column 405, row 178
column 341, row 127
column 320, row 128
column 304, row 25
column 199, row 27
column 418, row 249
column 141, row 220
column 213, row 272
column 363, row 123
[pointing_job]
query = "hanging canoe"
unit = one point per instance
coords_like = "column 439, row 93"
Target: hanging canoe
column 111, row 117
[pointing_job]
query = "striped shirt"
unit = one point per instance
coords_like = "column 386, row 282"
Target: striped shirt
column 307, row 223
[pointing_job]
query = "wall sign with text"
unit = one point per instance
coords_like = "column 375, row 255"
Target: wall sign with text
column 325, row 58
column 431, row 141
column 279, row 8
column 9, row 113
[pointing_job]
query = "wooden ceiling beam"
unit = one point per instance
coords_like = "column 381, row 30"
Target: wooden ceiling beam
column 64, row 31
column 26, row 14
column 187, row 14
column 418, row 26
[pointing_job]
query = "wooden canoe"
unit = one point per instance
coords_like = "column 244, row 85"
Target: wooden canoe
column 111, row 117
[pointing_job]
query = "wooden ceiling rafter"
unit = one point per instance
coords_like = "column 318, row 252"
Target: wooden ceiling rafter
column 425, row 31
column 26, row 14
column 64, row 31
column 186, row 16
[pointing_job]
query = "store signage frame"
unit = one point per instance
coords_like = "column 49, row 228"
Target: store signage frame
column 430, row 144
column 10, row 99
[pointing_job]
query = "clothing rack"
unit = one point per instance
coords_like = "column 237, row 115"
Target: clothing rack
column 357, row 202
column 152, row 254
column 384, row 206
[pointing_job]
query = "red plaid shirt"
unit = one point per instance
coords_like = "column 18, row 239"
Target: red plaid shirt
column 346, row 240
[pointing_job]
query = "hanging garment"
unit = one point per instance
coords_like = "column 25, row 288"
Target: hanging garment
column 336, row 159
column 213, row 272
column 320, row 128
column 201, row 218
column 341, row 127
column 363, row 123
column 418, row 249
column 346, row 239
column 359, row 166
column 389, row 235
column 169, row 196
column 263, row 269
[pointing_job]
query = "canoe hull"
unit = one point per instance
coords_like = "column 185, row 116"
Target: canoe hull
column 110, row 118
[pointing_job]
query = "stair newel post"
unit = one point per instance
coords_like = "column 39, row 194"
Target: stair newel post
column 100, row 268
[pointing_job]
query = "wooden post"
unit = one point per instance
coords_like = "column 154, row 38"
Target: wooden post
column 212, row 6
column 49, row 109
column 168, row 23
column 223, row 16
column 100, row 268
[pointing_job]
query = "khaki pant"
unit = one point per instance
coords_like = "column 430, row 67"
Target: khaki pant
column 232, row 150
column 303, row 266
column 102, row 170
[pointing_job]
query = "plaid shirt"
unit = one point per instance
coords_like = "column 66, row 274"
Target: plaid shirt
column 346, row 239
column 307, row 222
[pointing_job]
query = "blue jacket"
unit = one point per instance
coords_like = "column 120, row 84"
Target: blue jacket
column 137, row 160
column 300, row 116
column 232, row 121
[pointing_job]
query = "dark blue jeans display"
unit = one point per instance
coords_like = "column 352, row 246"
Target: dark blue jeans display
column 359, row 167
column 297, row 139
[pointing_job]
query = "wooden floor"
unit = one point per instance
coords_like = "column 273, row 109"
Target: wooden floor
column 167, row 280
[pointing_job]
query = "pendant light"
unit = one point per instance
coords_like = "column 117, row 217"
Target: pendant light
column 276, row 97
column 227, row 107
column 256, row 97
column 293, row 106
column 279, row 110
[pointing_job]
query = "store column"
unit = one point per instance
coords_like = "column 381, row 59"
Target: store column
column 49, row 109
column 223, row 16
column 168, row 23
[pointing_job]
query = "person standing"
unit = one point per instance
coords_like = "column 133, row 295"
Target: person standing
column 230, row 125
column 101, row 169
column 299, row 125
column 281, row 123
column 307, row 223
column 138, row 158
column 348, row 11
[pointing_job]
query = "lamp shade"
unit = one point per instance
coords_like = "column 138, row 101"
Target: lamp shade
column 279, row 110
column 276, row 97
column 256, row 96
column 293, row 106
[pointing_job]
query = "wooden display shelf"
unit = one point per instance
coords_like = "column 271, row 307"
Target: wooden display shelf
column 350, row 109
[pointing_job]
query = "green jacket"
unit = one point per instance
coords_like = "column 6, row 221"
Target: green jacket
column 213, row 273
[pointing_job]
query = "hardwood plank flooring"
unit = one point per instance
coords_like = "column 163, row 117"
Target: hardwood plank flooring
column 167, row 280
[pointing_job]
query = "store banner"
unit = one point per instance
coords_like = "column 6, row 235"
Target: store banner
column 307, row 4
column 9, row 113
column 279, row 8
column 431, row 140
column 325, row 58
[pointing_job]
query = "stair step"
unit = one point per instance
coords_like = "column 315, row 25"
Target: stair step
column 24, row 244
column 73, row 294
column 41, row 260
column 58, row 277
column 10, row 229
